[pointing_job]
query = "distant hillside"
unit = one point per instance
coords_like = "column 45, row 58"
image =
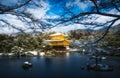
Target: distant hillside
column 112, row 30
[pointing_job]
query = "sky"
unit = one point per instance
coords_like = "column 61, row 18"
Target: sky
column 51, row 9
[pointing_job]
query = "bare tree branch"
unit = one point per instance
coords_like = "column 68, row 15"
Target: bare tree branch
column 107, row 30
column 12, row 8
column 116, row 7
column 12, row 26
column 96, row 6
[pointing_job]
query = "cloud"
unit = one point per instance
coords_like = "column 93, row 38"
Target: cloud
column 66, row 28
column 81, row 5
column 114, row 11
column 103, row 19
column 13, row 20
column 39, row 13
column 7, row 30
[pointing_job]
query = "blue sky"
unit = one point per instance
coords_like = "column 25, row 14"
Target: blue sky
column 51, row 9
column 8, row 2
column 57, row 6
column 60, row 6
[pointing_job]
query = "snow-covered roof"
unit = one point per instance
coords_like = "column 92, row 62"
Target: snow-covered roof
column 54, row 40
column 56, row 34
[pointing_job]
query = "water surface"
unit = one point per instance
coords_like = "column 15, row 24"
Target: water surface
column 55, row 67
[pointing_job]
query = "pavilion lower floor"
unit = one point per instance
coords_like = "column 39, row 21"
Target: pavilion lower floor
column 60, row 48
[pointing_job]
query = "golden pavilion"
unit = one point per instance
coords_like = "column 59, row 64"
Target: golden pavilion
column 59, row 42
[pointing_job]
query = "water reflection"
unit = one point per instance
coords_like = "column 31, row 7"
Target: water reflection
column 68, row 66
column 67, row 54
column 48, row 61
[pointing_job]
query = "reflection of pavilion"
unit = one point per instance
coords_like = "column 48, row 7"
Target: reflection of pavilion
column 59, row 42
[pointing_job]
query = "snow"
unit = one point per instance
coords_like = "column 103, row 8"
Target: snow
column 32, row 52
column 53, row 40
column 56, row 34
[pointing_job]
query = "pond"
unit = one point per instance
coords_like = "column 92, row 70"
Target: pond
column 55, row 67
